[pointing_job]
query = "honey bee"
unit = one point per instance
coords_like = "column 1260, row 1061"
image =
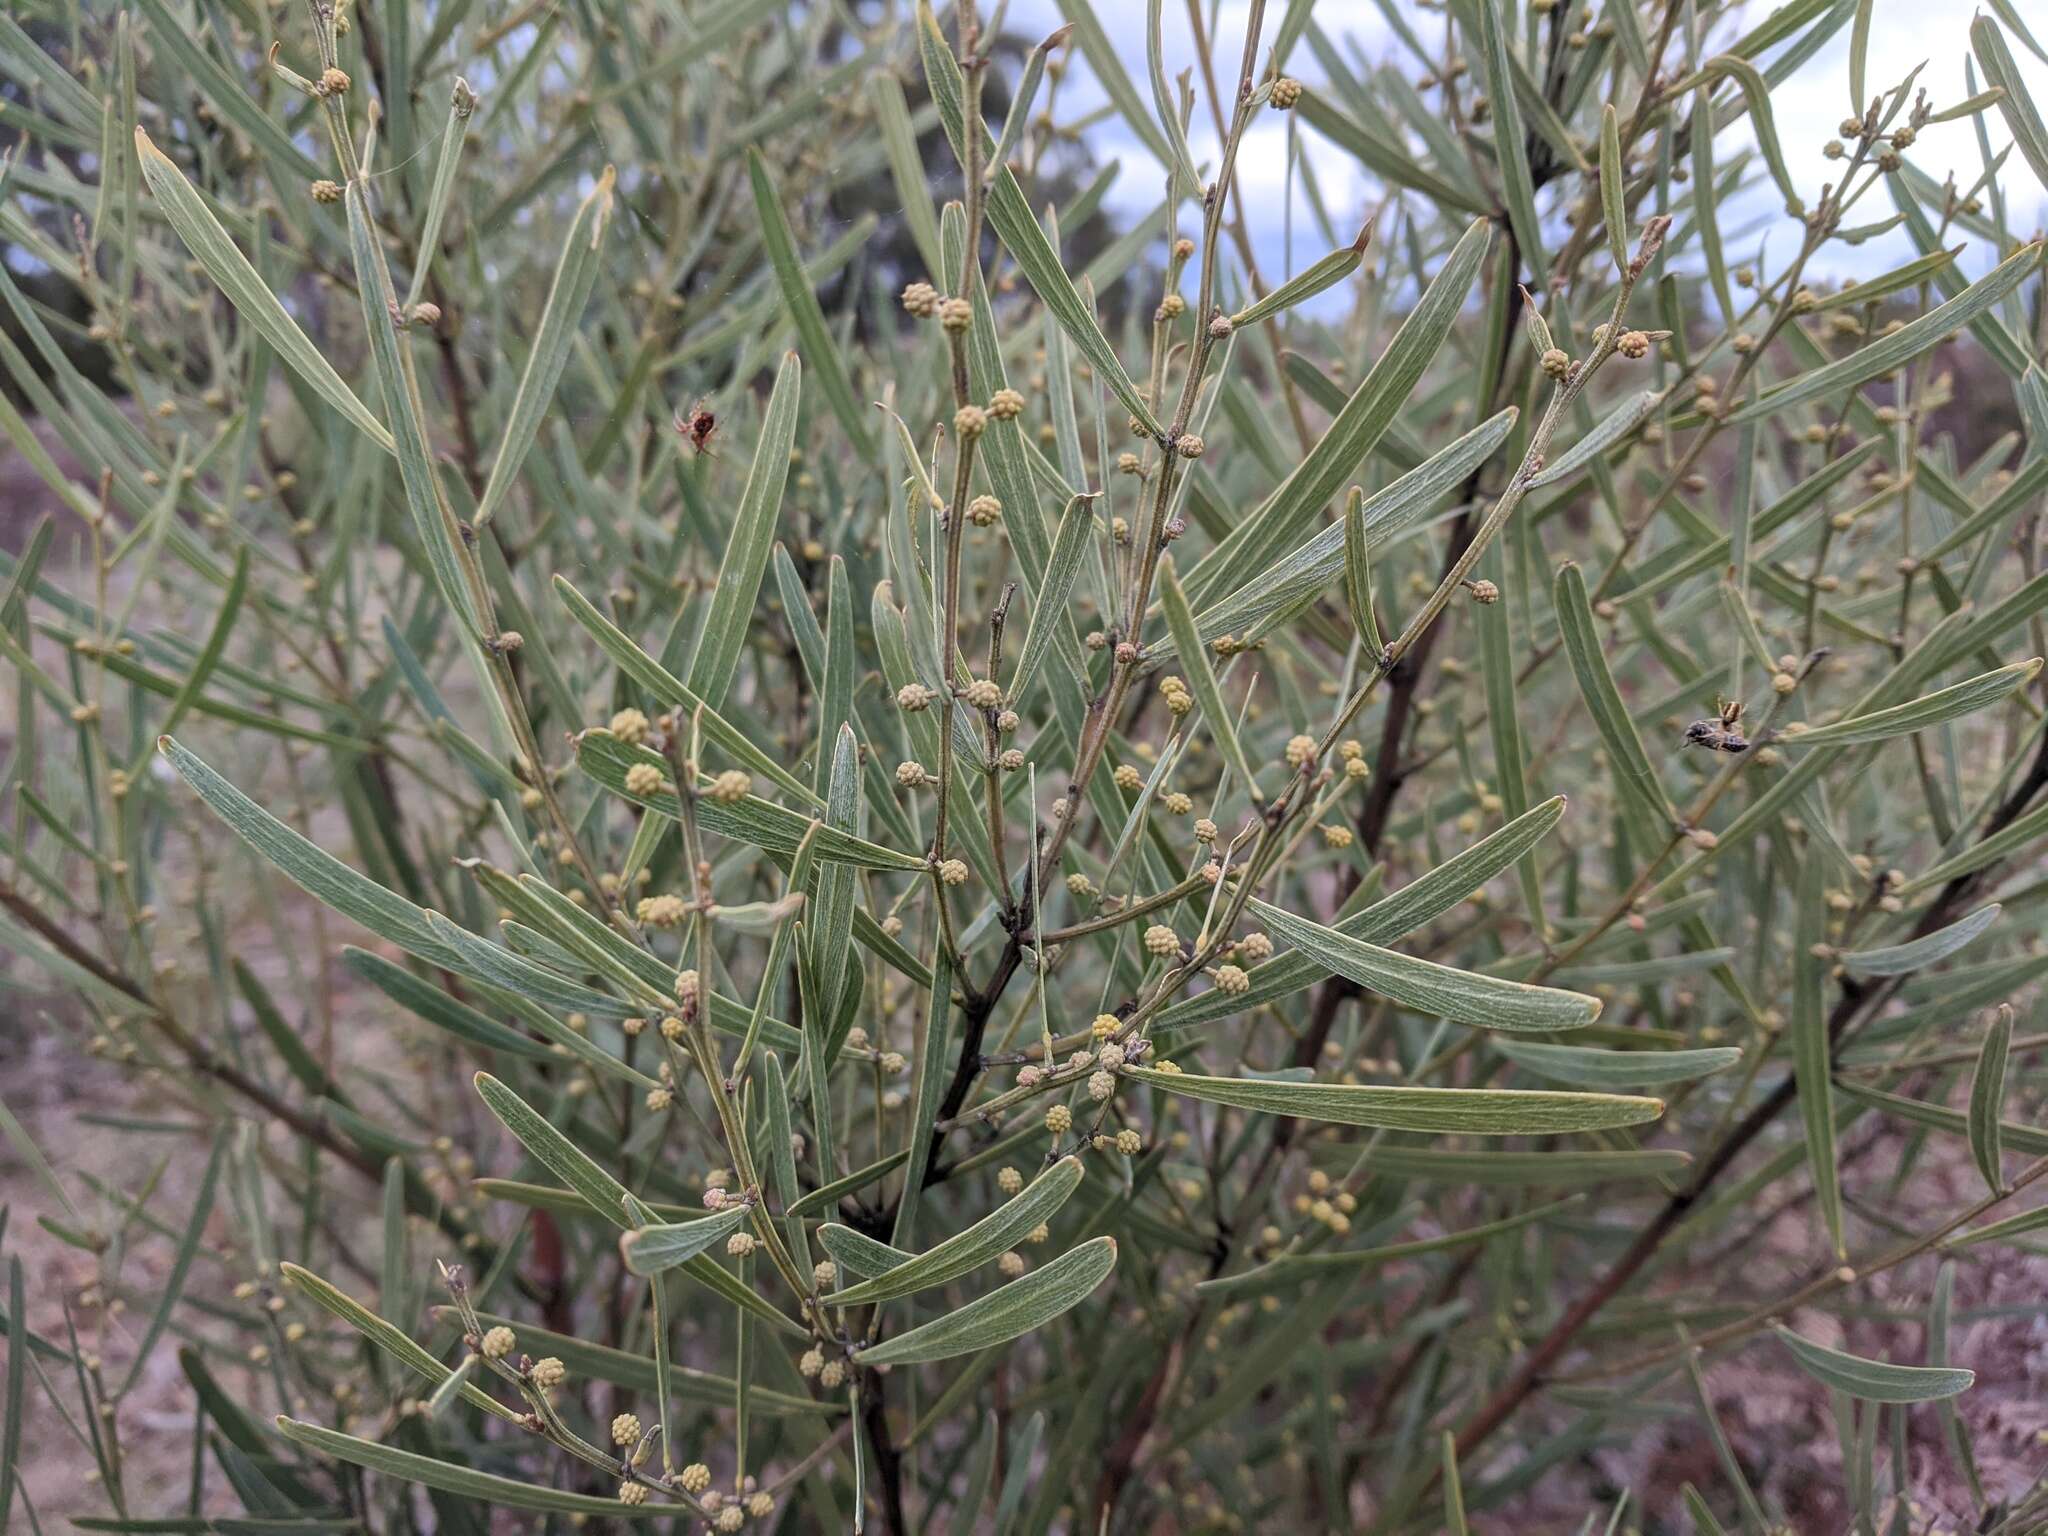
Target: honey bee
column 697, row 425
column 1720, row 734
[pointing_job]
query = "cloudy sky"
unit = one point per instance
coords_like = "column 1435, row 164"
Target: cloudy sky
column 1808, row 110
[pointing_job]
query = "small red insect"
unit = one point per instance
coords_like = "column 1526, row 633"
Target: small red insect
column 698, row 425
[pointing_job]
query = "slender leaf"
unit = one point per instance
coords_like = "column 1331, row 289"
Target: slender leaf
column 1004, row 1314
column 568, row 295
column 813, row 336
column 1611, row 717
column 971, row 1247
column 1421, row 900
column 1465, row 997
column 569, row 1163
column 448, row 1477
column 746, row 550
column 1897, row 348
column 1874, row 1381
column 1987, row 1098
column 1010, row 216
column 247, row 291
column 1898, row 959
column 1445, row 1111
column 1194, row 660
column 651, row 1250
column 1591, row 1067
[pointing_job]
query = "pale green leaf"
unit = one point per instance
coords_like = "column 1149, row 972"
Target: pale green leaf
column 666, row 689
column 2015, row 101
column 1812, row 1066
column 1291, row 584
column 814, row 337
column 1464, row 997
column 651, row 1250
column 433, row 523
column 487, row 1487
column 1899, row 347
column 1612, row 171
column 1427, row 897
column 1987, row 1098
column 1898, row 959
column 1874, row 1381
column 1004, row 1314
column 1919, row 714
column 1441, row 1111
column 569, row 1163
column 746, row 551
column 1591, row 1067
column 1308, row 282
column 1010, row 216
column 1049, row 607
column 971, row 1247
column 1194, row 662
column 1256, row 543
column 319, row 874
column 568, row 294
column 1510, row 145
column 1516, row 1170
column 247, row 291
column 1611, row 716
column 386, row 1336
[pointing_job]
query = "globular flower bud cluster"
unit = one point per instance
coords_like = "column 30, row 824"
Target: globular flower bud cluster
column 664, row 911
column 730, row 787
